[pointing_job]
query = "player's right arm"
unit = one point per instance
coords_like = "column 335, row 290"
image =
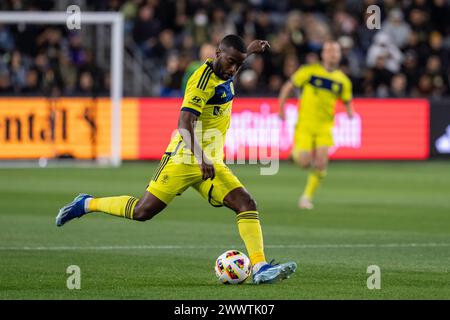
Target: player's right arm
column 346, row 97
column 285, row 92
column 186, row 123
column 298, row 79
column 197, row 93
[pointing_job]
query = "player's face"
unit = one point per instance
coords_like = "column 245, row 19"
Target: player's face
column 331, row 53
column 229, row 60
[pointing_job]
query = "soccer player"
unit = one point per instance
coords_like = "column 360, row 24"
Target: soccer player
column 322, row 85
column 194, row 158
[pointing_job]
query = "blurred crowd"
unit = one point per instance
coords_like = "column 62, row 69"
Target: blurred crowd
column 40, row 60
column 409, row 56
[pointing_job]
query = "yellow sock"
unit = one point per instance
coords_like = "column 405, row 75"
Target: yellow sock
column 314, row 179
column 251, row 233
column 122, row 206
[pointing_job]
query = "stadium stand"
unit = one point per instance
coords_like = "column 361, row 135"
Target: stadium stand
column 407, row 57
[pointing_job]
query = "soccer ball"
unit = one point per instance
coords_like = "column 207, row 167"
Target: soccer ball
column 233, row 267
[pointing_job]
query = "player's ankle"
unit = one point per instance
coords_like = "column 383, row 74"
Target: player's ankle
column 86, row 205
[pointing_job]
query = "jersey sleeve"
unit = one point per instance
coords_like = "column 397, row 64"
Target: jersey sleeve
column 198, row 92
column 301, row 76
column 346, row 94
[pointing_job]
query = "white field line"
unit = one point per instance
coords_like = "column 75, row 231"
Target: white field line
column 196, row 247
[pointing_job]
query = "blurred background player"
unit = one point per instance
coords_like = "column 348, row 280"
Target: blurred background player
column 207, row 51
column 322, row 85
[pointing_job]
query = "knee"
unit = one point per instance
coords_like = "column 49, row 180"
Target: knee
column 248, row 204
column 143, row 212
column 320, row 165
column 303, row 160
column 304, row 163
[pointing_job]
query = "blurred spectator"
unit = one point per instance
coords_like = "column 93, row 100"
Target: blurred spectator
column 146, row 28
column 419, row 21
column 5, row 83
column 409, row 56
column 381, row 77
column 50, row 41
column 344, row 23
column 17, row 71
column 198, row 27
column 6, row 39
column 398, row 87
column 76, row 49
column 351, row 57
column 440, row 12
column 173, row 77
column 383, row 47
column 68, row 73
column 420, row 49
column 275, row 84
column 439, row 79
column 397, row 29
column 295, row 38
column 220, row 22
column 424, row 88
column 207, row 51
column 31, row 87
column 85, row 84
column 436, row 46
column 411, row 70
column 290, row 65
column 164, row 46
column 248, row 82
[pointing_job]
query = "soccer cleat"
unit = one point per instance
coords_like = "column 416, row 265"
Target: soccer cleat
column 75, row 209
column 305, row 203
column 270, row 273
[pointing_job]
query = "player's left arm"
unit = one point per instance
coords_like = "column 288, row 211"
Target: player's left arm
column 349, row 108
column 256, row 46
column 347, row 97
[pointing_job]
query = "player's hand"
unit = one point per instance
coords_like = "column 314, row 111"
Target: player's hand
column 350, row 114
column 282, row 115
column 257, row 46
column 349, row 109
column 207, row 169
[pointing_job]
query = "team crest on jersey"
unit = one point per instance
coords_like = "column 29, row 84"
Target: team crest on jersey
column 164, row 179
column 218, row 111
column 335, row 87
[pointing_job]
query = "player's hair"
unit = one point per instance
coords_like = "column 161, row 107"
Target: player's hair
column 235, row 42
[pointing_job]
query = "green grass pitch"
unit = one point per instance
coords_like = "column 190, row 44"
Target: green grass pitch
column 395, row 215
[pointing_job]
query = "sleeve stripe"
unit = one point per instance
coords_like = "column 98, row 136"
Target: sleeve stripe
column 207, row 79
column 204, row 81
column 197, row 113
column 202, row 76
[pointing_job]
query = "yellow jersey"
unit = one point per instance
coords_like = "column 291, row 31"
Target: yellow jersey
column 210, row 98
column 320, row 91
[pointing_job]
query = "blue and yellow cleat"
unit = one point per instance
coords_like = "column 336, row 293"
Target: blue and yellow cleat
column 73, row 210
column 271, row 273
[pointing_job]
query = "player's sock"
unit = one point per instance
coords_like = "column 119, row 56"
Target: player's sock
column 122, row 206
column 251, row 233
column 258, row 266
column 314, row 179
